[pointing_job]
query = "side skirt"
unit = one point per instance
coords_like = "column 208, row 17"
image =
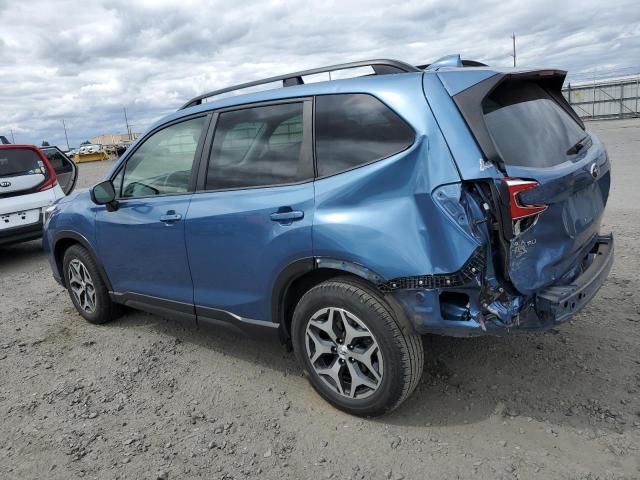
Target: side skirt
column 200, row 315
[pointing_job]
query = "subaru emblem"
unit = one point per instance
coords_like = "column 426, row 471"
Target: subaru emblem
column 595, row 170
column 5, row 184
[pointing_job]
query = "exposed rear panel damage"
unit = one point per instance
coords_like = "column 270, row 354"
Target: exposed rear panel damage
column 535, row 271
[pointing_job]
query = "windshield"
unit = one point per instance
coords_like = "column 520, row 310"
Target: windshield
column 14, row 162
column 528, row 126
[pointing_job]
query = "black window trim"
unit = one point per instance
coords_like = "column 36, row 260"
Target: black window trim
column 307, row 156
column 196, row 160
column 315, row 155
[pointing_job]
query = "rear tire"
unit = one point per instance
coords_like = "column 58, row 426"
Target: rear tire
column 86, row 287
column 353, row 349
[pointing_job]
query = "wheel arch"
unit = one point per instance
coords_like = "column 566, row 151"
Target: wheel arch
column 63, row 241
column 302, row 275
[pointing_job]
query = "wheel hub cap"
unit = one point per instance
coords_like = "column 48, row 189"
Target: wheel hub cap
column 81, row 285
column 344, row 353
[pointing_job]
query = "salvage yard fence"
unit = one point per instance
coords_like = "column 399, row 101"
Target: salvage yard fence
column 605, row 99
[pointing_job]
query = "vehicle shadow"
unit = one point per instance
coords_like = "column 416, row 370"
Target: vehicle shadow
column 13, row 257
column 538, row 376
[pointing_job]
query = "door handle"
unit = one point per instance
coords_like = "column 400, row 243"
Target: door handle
column 170, row 216
column 287, row 217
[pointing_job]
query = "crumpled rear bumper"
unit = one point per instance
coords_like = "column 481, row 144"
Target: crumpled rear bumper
column 559, row 303
column 545, row 309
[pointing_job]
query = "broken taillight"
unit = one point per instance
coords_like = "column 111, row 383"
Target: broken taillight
column 519, row 211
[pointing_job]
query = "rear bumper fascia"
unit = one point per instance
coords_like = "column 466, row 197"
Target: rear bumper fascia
column 23, row 233
column 545, row 309
column 559, row 303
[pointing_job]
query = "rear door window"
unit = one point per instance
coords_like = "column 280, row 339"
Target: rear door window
column 528, row 127
column 259, row 146
column 356, row 129
column 15, row 162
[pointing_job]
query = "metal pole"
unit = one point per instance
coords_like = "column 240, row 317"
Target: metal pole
column 513, row 37
column 637, row 91
column 126, row 121
column 621, row 100
column 65, row 134
column 593, row 105
column 13, row 140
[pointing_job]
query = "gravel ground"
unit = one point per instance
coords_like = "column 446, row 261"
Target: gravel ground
column 146, row 397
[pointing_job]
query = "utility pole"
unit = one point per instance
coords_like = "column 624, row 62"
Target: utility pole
column 513, row 37
column 126, row 121
column 65, row 134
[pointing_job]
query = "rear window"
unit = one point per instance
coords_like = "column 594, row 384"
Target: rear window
column 356, row 129
column 59, row 162
column 14, row 162
column 528, row 126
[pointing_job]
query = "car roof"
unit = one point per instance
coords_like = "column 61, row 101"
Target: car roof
column 383, row 83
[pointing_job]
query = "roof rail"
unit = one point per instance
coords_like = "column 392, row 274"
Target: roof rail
column 380, row 67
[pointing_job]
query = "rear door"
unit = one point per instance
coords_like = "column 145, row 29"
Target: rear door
column 555, row 175
column 253, row 214
column 65, row 168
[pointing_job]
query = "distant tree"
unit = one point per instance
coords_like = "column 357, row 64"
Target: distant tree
column 45, row 143
column 86, row 142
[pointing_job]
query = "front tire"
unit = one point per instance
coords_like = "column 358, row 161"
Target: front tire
column 87, row 290
column 353, row 349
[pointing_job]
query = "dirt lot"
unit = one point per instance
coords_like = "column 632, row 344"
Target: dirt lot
column 146, row 397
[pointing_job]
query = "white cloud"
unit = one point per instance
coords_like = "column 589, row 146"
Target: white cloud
column 85, row 61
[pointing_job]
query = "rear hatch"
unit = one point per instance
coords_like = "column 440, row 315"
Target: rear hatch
column 551, row 177
column 22, row 170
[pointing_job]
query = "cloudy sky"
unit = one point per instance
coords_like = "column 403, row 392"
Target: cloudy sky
column 84, row 61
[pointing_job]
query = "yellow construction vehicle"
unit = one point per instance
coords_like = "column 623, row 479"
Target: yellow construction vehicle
column 91, row 153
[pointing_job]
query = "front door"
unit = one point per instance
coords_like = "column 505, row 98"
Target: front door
column 254, row 214
column 141, row 243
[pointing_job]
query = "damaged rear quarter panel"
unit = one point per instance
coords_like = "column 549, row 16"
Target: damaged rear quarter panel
column 383, row 216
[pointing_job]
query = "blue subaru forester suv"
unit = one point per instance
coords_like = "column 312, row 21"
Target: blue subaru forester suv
column 351, row 216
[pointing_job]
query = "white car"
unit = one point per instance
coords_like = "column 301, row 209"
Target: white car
column 31, row 180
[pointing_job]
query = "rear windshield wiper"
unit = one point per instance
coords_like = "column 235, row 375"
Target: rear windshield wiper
column 579, row 145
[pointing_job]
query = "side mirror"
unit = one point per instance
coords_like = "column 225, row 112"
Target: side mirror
column 105, row 194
